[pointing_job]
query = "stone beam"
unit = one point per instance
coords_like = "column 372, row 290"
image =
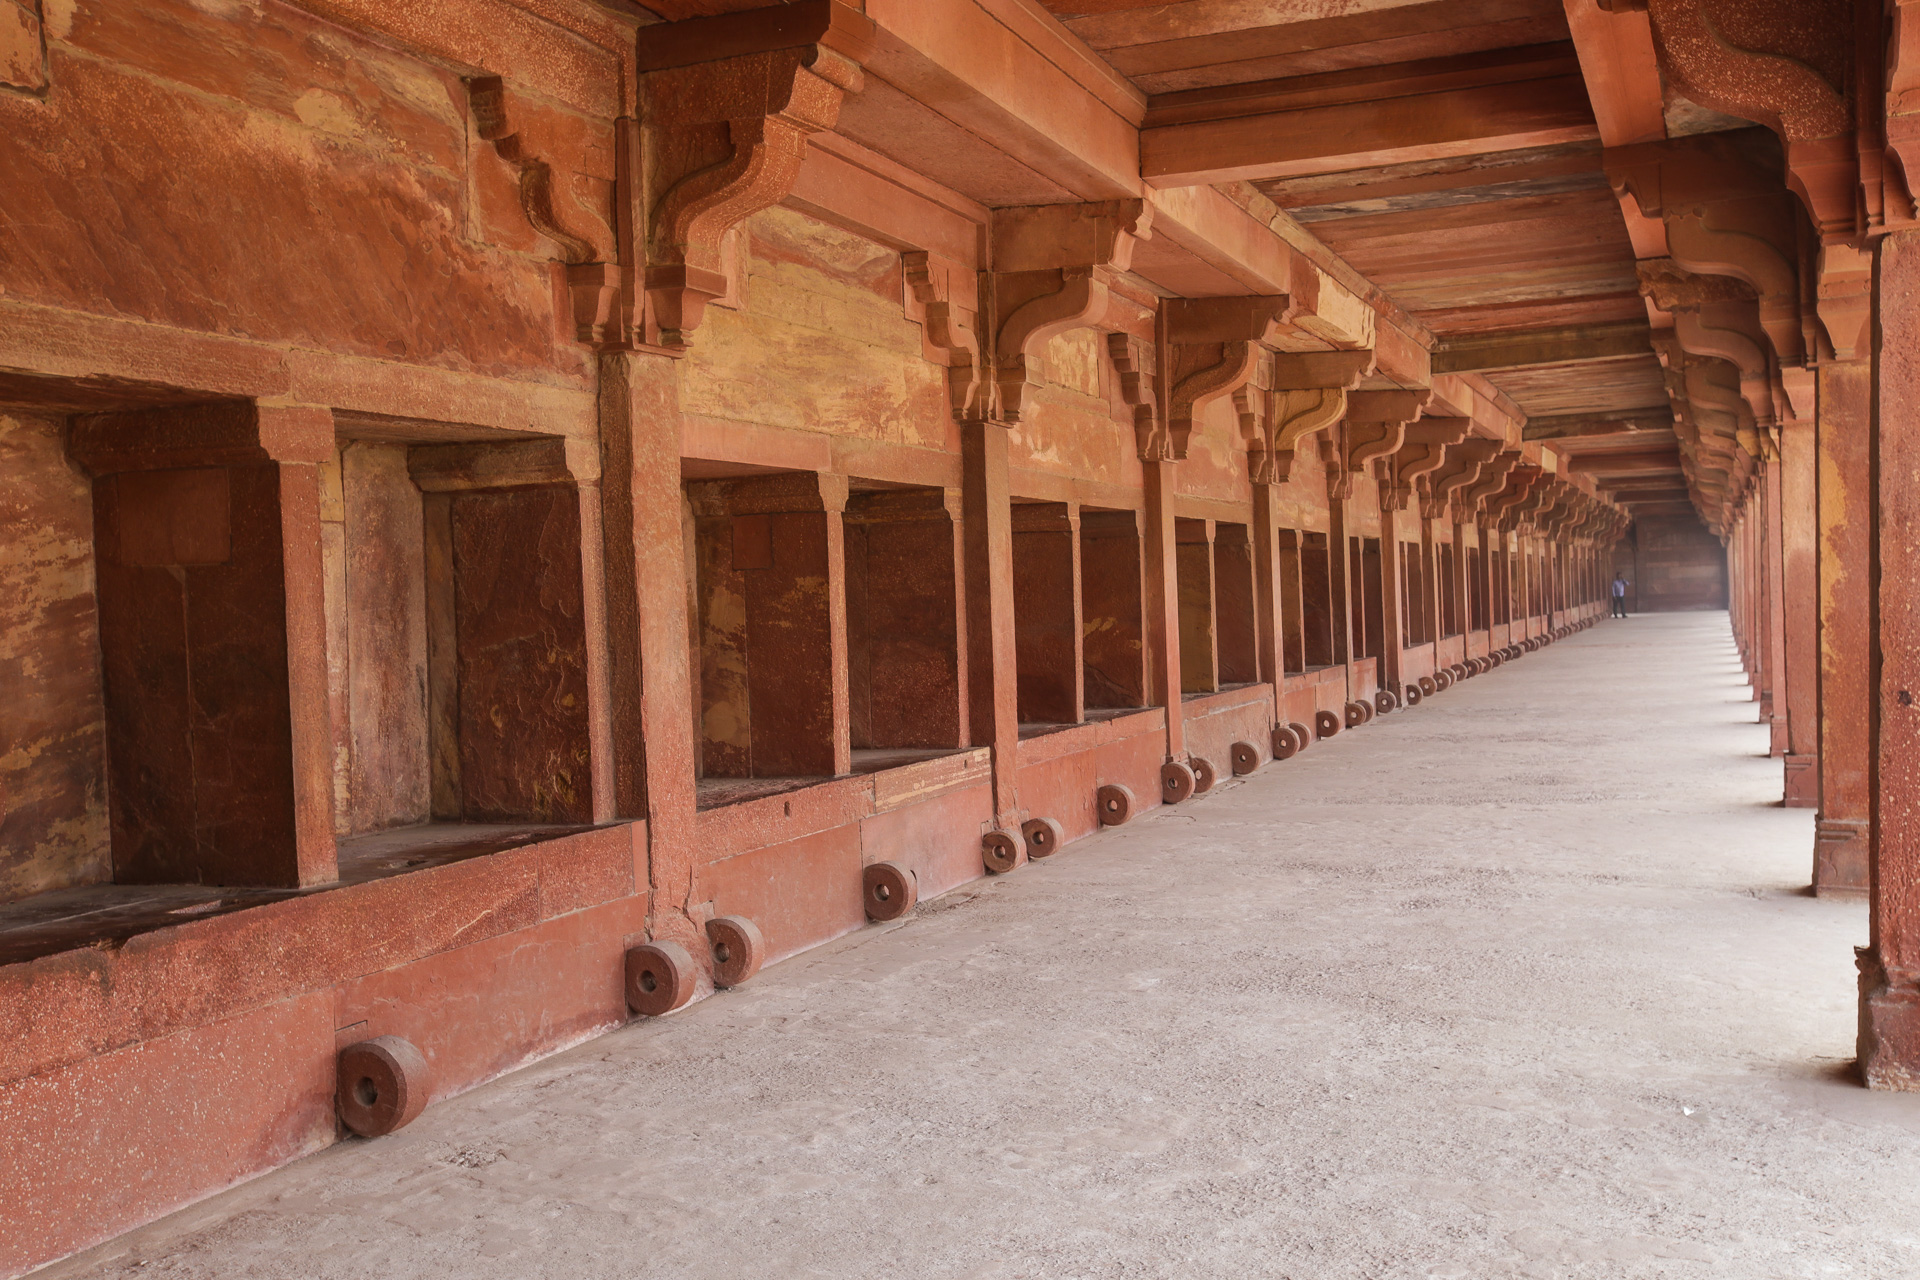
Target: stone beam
column 1413, row 111
column 1621, row 463
column 1568, row 345
column 1613, row 422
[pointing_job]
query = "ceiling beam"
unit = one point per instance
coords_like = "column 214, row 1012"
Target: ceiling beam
column 1615, row 45
column 1626, row 497
column 1624, row 463
column 1611, row 423
column 1569, row 344
column 1366, row 117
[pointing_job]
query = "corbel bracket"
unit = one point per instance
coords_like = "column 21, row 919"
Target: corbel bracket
column 1520, row 482
column 1465, row 463
column 1307, row 394
column 1492, row 480
column 1781, row 63
column 1377, row 423
column 1134, row 361
column 945, row 298
column 1053, row 265
column 724, row 137
column 593, row 284
column 1215, row 349
column 1421, row 452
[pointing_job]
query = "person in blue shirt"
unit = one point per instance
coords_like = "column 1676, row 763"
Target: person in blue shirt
column 1619, row 596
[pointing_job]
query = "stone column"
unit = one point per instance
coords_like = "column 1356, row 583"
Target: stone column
column 992, row 668
column 1457, row 584
column 1338, row 573
column 1800, row 596
column 1269, row 592
column 583, row 463
column 649, row 660
column 1776, row 616
column 299, row 438
column 1159, row 549
column 1843, row 424
column 1393, row 603
column 1890, row 965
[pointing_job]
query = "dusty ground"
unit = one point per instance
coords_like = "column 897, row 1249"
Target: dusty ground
column 1522, row 982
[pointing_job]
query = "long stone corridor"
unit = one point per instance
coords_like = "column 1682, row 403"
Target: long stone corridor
column 1522, row 982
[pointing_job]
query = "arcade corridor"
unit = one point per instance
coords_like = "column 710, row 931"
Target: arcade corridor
column 1524, row 982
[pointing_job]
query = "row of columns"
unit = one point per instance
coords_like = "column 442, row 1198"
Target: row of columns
column 1529, row 586
column 1824, row 560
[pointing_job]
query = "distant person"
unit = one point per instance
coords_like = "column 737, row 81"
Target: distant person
column 1619, row 596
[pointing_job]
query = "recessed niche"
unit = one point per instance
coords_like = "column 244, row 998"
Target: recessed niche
column 457, row 649
column 1113, row 648
column 1046, row 613
column 903, row 619
column 1235, row 630
column 768, row 559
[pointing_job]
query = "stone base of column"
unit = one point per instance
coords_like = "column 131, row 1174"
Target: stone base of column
column 1777, row 736
column 1889, row 1044
column 1839, row 858
column 1802, row 790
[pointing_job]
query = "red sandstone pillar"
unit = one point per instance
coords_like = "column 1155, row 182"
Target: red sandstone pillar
column 1843, row 423
column 648, row 667
column 1800, row 598
column 1776, row 637
column 1890, row 965
column 1268, row 622
column 583, row 463
column 833, row 492
column 1393, row 603
column 299, row 438
column 1457, row 584
column 992, row 666
column 1339, row 486
column 1159, row 552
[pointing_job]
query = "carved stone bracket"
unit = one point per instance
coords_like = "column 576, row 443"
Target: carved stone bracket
column 1725, row 213
column 1133, row 359
column 723, row 137
column 1053, row 266
column 1420, row 454
column 1377, row 424
column 1292, row 417
column 1305, row 393
column 1465, row 462
column 1215, row 350
column 593, row 286
column 1845, row 300
column 1492, row 479
column 1521, row 480
column 945, row 297
column 1785, row 64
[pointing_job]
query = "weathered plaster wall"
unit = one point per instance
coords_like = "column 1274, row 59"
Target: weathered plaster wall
column 53, row 793
column 200, row 165
column 816, row 340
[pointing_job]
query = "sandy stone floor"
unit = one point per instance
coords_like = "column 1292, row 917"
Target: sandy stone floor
column 1522, row 982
